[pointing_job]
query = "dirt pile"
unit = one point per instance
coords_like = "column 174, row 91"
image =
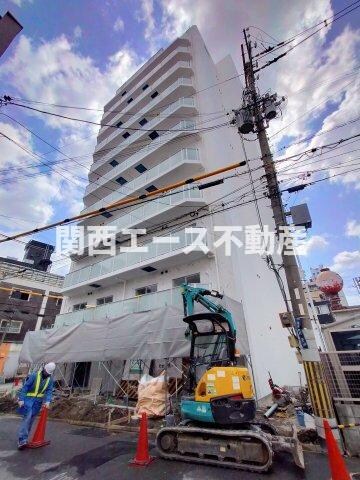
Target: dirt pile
column 7, row 404
column 82, row 410
column 308, row 435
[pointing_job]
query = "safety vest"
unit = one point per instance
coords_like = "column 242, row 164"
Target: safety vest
column 36, row 392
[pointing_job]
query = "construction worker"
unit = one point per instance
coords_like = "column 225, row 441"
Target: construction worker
column 36, row 391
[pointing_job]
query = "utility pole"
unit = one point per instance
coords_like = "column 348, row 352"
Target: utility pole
column 255, row 112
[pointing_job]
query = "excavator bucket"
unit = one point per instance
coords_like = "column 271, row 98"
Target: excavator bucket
column 290, row 445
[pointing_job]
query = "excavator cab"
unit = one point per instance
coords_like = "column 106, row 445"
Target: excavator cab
column 212, row 344
column 218, row 391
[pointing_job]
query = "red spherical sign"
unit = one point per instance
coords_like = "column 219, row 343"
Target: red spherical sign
column 329, row 282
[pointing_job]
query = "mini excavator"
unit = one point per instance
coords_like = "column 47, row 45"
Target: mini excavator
column 218, row 408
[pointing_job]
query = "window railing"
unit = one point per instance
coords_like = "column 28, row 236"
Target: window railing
column 140, row 303
column 127, row 260
column 149, row 106
column 151, row 209
column 185, row 155
column 151, row 147
column 107, row 115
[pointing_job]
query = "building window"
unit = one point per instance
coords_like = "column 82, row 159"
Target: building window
column 123, row 93
column 153, row 135
column 154, row 94
column 59, row 302
column 143, row 122
column 140, row 168
column 10, row 326
column 195, row 278
column 345, row 340
column 114, row 163
column 146, row 290
column 121, row 180
column 126, row 135
column 107, row 214
column 79, row 306
column 119, row 124
column 104, row 300
column 145, row 86
column 18, row 295
column 130, row 100
column 151, row 188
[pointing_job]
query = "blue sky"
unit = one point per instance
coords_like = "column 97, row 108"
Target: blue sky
column 78, row 53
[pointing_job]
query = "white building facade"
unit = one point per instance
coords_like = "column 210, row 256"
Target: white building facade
column 173, row 125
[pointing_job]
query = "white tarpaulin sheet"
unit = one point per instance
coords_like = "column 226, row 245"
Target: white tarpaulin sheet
column 154, row 334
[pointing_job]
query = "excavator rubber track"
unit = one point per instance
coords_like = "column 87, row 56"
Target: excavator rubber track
column 243, row 450
column 239, row 449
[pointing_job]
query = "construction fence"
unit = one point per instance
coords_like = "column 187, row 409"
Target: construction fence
column 342, row 373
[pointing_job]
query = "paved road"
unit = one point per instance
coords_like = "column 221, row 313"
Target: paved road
column 78, row 453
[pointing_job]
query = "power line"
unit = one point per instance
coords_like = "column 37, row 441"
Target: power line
column 310, row 137
column 311, row 109
column 90, row 122
column 129, row 200
column 325, row 23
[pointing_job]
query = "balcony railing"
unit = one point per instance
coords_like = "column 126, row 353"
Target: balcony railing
column 151, row 209
column 130, row 305
column 150, row 106
column 130, row 107
column 186, row 155
column 128, row 260
column 142, row 80
column 176, row 130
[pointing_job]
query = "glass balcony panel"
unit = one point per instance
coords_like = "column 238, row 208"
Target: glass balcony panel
column 182, row 240
column 96, row 270
column 145, row 302
column 130, row 305
column 119, row 262
column 163, row 248
column 123, row 307
column 107, row 266
column 83, row 275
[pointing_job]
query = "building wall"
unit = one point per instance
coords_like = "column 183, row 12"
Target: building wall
column 24, row 310
column 246, row 278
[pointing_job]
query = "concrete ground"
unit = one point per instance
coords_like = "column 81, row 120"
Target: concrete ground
column 78, row 453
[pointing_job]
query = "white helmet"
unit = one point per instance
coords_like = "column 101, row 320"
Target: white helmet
column 50, row 368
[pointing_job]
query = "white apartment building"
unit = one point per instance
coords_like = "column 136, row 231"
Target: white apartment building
column 173, row 102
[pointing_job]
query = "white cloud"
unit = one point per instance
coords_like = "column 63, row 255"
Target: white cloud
column 304, row 76
column 146, row 15
column 310, row 244
column 54, row 72
column 119, row 25
column 346, row 261
column 353, row 228
column 77, row 31
column 20, row 2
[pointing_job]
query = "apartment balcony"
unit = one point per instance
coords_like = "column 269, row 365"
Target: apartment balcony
column 127, row 265
column 145, row 216
column 135, row 84
column 181, row 69
column 182, row 87
column 187, row 160
column 165, row 137
column 130, row 305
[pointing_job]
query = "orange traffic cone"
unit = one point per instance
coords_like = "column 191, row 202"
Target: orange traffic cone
column 142, row 457
column 336, row 461
column 38, row 439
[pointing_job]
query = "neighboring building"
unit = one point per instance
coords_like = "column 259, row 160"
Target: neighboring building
column 344, row 333
column 30, row 299
column 172, row 101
